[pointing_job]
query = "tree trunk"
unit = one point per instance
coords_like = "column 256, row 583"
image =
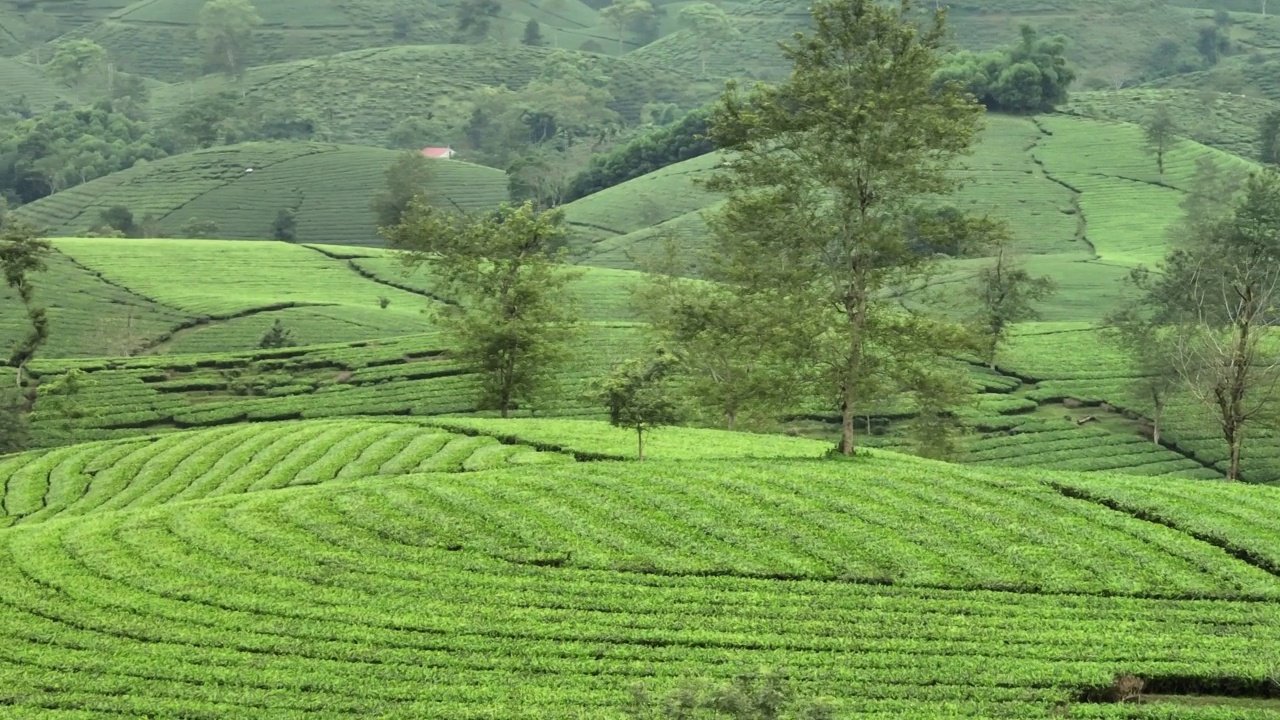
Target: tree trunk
column 1233, row 468
column 1155, row 425
column 704, row 64
column 639, row 443
column 856, row 311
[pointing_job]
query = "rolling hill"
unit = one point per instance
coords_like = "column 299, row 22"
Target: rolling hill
column 142, row 577
column 359, row 96
column 26, row 85
column 1108, row 39
column 330, row 186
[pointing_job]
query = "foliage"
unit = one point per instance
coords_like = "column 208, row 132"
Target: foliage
column 512, row 323
column 817, row 211
column 565, row 106
column 285, row 226
column 74, row 61
column 1219, row 292
column 1161, row 131
column 709, row 24
column 1269, row 138
column 639, row 396
column 627, row 15
column 408, row 177
column 532, row 34
column 651, row 151
column 727, row 350
column 226, row 34
column 1135, row 329
column 23, row 253
column 120, row 219
column 472, row 18
column 750, row 696
column 278, row 336
column 1032, row 76
column 1007, row 294
column 15, row 427
column 65, row 148
column 197, row 228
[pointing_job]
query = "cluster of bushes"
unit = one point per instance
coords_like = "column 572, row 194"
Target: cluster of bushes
column 653, row 151
column 1029, row 77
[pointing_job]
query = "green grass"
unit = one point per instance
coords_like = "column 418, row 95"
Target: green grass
column 258, row 570
column 329, row 186
column 358, row 96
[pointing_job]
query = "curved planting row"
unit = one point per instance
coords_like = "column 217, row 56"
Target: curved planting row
column 235, row 459
column 333, row 602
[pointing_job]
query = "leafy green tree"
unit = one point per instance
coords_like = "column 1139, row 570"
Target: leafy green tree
column 408, row 177
column 197, row 228
column 639, row 396
column 710, row 25
column 414, row 133
column 1032, row 76
column 651, row 151
column 1269, row 138
column 41, row 27
column 278, row 336
column 1007, row 294
column 226, row 34
column 1218, row 294
column 15, row 426
column 513, row 320
column 822, row 179
column 1149, row 347
column 532, row 34
column 473, row 19
column 728, row 355
column 1161, row 132
column 23, row 253
column 74, row 61
column 60, row 400
column 1213, row 43
column 120, row 218
column 625, row 15
column 285, row 226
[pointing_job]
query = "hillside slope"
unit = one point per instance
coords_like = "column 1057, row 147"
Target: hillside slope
column 931, row 592
column 329, row 186
column 359, row 96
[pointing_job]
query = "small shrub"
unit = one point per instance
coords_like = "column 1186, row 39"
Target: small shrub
column 197, row 228
column 383, row 301
column 1126, row 688
column 285, row 226
column 277, row 337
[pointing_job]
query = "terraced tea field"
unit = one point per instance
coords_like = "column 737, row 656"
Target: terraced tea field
column 148, row 471
column 361, row 95
column 174, row 574
column 329, row 186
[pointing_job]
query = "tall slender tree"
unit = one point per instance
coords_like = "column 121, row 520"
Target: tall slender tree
column 822, row 176
column 23, row 253
column 226, row 32
column 1161, row 132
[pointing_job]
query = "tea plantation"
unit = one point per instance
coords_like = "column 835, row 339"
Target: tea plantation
column 164, row 575
column 243, row 187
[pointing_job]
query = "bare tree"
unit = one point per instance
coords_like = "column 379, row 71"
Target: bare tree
column 1221, row 295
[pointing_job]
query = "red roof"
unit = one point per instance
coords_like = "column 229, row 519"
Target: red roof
column 438, row 152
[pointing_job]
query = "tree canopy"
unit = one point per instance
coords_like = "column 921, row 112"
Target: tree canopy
column 1032, row 76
